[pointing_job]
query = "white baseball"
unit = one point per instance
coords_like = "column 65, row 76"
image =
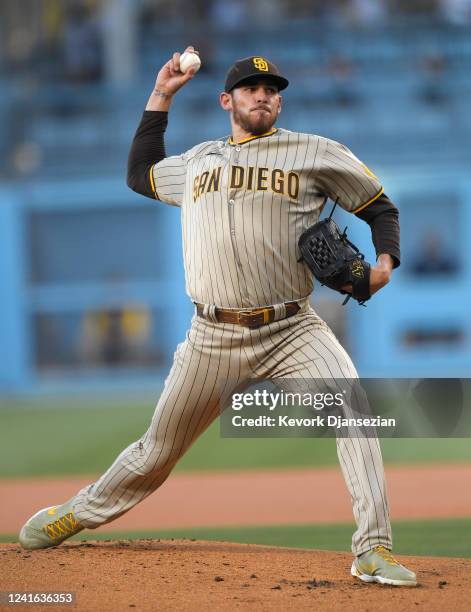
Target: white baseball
column 189, row 60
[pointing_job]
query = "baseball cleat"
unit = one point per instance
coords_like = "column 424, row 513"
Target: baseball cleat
column 49, row 527
column 378, row 565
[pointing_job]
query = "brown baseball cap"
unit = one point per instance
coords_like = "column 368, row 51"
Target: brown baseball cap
column 253, row 67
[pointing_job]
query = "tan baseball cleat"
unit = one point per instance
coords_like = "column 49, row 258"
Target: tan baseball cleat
column 379, row 565
column 49, row 527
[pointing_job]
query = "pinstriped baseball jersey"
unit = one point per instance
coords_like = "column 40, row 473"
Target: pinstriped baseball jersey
column 245, row 205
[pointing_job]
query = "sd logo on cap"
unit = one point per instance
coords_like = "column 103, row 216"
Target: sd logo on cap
column 260, row 63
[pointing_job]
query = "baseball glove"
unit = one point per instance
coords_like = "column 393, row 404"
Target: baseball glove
column 335, row 261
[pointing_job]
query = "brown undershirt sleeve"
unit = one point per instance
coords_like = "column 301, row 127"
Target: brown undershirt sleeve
column 147, row 149
column 383, row 218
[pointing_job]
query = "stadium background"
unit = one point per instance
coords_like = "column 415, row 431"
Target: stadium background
column 91, row 280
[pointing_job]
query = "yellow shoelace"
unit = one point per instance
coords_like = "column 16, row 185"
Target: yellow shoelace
column 386, row 555
column 64, row 526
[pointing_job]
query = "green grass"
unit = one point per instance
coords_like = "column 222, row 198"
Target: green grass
column 430, row 538
column 84, row 438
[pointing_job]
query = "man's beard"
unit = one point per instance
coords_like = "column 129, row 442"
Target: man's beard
column 253, row 124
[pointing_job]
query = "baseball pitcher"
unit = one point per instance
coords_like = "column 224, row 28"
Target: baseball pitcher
column 245, row 202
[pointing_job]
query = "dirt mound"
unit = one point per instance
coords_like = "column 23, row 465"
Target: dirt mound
column 193, row 575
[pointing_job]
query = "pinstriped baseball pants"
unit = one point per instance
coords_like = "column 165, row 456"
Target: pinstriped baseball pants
column 213, row 356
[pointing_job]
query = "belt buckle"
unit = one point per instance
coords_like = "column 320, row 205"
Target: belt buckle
column 252, row 315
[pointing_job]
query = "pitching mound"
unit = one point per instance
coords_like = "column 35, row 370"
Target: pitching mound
column 192, row 575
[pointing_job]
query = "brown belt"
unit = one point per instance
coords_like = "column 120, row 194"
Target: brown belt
column 249, row 318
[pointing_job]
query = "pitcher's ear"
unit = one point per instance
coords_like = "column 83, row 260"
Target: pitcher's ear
column 225, row 100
